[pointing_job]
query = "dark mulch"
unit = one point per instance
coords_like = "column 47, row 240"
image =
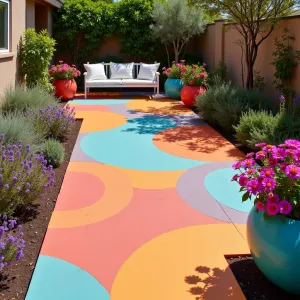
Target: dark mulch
column 14, row 282
column 253, row 283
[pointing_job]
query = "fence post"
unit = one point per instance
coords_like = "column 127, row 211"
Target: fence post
column 219, row 41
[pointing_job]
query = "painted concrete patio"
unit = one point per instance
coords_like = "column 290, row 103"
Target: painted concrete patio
column 146, row 209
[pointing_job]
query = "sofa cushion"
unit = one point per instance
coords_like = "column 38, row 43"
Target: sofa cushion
column 148, row 71
column 95, row 71
column 140, row 82
column 121, row 71
column 105, row 82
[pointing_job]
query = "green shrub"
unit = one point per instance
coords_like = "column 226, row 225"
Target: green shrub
column 19, row 99
column 220, row 73
column 54, row 152
column 16, row 127
column 36, row 51
column 224, row 103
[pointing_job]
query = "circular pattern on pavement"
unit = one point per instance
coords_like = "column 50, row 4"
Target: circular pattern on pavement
column 218, row 184
column 159, row 106
column 130, row 146
column 79, row 190
column 54, row 278
column 196, row 142
column 160, row 269
column 99, row 120
column 99, row 101
column 193, row 191
column 112, row 202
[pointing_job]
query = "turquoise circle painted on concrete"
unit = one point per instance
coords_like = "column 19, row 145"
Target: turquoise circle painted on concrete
column 275, row 248
column 219, row 185
column 130, row 146
column 57, row 279
column 173, row 88
column 100, row 101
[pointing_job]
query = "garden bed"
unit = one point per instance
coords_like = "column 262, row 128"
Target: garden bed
column 253, row 283
column 15, row 281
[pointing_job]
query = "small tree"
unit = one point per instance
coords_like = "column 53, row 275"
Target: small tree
column 175, row 22
column 254, row 20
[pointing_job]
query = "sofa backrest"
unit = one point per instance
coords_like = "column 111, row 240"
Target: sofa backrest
column 136, row 69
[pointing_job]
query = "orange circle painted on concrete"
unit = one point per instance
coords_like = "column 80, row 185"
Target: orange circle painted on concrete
column 162, row 268
column 79, row 190
column 118, row 194
column 196, row 142
column 153, row 179
column 99, row 120
column 159, row 106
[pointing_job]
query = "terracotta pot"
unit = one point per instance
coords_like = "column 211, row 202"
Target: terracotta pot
column 65, row 88
column 189, row 93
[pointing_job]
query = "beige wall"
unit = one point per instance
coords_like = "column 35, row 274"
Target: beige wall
column 30, row 13
column 8, row 61
column 221, row 43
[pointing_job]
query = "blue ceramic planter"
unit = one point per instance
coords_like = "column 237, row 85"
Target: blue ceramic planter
column 173, row 88
column 275, row 247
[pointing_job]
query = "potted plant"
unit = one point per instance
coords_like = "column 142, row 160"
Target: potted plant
column 64, row 82
column 173, row 84
column 194, row 78
column 271, row 179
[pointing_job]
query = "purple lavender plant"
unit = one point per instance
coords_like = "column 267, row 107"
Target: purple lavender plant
column 53, row 121
column 12, row 243
column 23, row 176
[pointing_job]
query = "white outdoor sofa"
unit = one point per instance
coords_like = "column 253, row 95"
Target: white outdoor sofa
column 121, row 83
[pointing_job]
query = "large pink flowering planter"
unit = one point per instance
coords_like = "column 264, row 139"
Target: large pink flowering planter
column 273, row 226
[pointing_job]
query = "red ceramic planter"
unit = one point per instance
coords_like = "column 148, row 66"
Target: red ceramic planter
column 65, row 88
column 189, row 93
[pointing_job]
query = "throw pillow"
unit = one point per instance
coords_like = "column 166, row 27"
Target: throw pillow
column 148, row 72
column 95, row 71
column 121, row 71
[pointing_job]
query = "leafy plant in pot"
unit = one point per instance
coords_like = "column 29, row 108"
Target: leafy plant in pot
column 64, row 80
column 271, row 178
column 194, row 78
column 173, row 84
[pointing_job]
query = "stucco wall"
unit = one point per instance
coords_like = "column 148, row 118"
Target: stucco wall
column 215, row 45
column 30, row 13
column 8, row 62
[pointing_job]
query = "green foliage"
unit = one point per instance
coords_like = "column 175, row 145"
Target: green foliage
column 285, row 61
column 263, row 126
column 175, row 22
column 220, row 73
column 259, row 81
column 80, row 24
column 53, row 151
column 19, row 99
column 224, row 103
column 36, row 51
column 16, row 127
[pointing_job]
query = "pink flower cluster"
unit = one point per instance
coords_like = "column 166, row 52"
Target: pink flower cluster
column 64, row 71
column 175, row 71
column 272, row 178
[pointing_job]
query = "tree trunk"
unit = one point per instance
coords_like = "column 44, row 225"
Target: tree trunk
column 176, row 56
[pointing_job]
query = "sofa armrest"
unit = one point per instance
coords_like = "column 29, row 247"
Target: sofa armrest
column 157, row 76
column 85, row 73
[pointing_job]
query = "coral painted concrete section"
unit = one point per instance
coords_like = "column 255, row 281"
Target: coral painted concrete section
column 147, row 209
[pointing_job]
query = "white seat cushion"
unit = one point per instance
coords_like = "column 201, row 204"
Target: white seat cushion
column 95, row 71
column 138, row 82
column 121, row 71
column 105, row 82
column 148, row 72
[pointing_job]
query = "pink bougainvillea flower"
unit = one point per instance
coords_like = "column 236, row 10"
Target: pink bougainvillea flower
column 292, row 171
column 254, row 186
column 269, row 148
column 273, row 198
column 60, row 70
column 237, row 165
column 192, row 82
column 260, row 145
column 243, row 180
column 260, row 155
column 283, row 146
column 283, row 166
column 292, row 143
column 272, row 209
column 285, row 207
column 248, row 163
column 267, row 172
column 279, row 153
column 251, row 171
column 296, row 156
column 203, row 75
column 235, row 177
column 249, row 155
column 169, row 69
column 269, row 184
column 260, row 206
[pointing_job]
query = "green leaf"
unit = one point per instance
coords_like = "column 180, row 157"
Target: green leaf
column 245, row 197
